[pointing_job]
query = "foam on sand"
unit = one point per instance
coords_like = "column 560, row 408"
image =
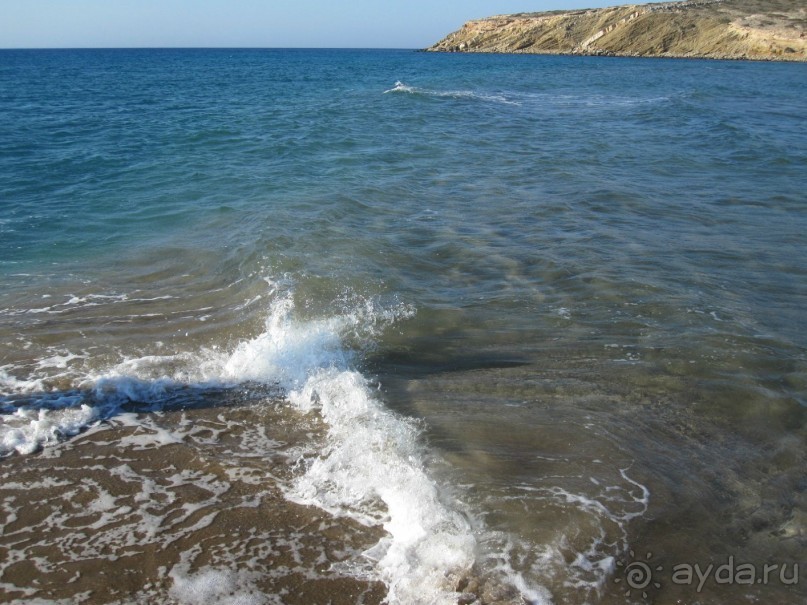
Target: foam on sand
column 372, row 468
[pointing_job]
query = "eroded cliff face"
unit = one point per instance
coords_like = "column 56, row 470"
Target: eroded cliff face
column 723, row 29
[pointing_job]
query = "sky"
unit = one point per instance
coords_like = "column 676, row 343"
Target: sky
column 250, row 23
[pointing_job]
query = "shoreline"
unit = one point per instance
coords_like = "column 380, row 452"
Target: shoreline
column 173, row 506
column 617, row 55
column 753, row 30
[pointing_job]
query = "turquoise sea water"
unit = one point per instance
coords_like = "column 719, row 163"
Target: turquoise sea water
column 546, row 315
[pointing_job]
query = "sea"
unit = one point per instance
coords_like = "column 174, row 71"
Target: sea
column 387, row 326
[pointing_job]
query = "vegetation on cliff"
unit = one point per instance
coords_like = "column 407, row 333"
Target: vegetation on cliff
column 721, row 29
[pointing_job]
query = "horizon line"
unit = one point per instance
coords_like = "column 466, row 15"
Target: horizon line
column 210, row 48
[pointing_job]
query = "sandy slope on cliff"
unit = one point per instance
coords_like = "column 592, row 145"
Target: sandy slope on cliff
column 726, row 29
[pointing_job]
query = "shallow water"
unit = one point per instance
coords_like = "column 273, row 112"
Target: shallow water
column 281, row 326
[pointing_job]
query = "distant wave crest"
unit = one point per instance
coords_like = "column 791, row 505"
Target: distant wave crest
column 400, row 87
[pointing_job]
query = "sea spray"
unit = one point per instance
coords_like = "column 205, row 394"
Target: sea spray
column 372, row 468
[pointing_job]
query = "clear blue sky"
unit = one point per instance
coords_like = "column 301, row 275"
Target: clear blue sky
column 261, row 23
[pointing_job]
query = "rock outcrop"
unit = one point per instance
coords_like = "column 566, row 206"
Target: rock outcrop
column 718, row 29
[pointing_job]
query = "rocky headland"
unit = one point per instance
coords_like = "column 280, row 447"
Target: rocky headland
column 717, row 29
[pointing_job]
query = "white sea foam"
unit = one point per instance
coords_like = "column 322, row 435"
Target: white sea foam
column 210, row 586
column 372, row 468
column 400, row 87
column 587, row 564
column 26, row 430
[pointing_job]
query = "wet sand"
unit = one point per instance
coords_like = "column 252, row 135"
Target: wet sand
column 170, row 508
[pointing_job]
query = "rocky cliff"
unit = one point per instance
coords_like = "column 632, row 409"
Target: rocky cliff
column 720, row 29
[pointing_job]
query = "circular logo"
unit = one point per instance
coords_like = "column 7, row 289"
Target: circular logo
column 637, row 575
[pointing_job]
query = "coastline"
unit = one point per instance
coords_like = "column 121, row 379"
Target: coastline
column 752, row 30
column 617, row 55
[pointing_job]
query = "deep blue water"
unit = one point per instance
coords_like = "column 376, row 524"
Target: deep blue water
column 581, row 276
